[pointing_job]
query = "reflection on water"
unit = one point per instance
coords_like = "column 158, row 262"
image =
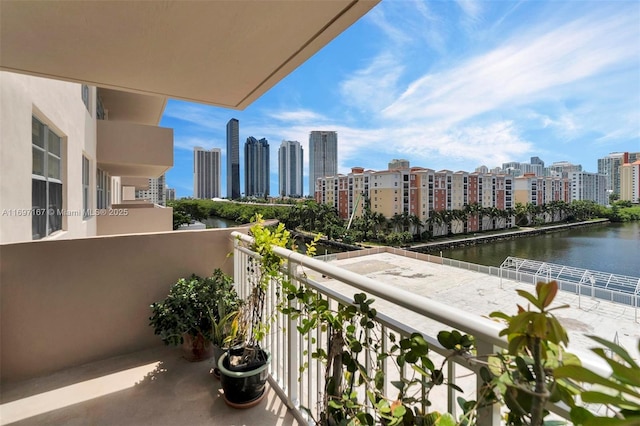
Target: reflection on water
column 219, row 222
column 613, row 248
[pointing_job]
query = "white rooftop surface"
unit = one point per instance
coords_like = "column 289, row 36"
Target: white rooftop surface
column 482, row 294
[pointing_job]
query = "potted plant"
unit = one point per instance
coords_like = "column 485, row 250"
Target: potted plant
column 187, row 315
column 244, row 366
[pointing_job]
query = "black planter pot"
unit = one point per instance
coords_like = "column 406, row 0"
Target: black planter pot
column 244, row 389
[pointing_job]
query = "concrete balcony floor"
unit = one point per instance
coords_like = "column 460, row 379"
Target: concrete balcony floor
column 152, row 387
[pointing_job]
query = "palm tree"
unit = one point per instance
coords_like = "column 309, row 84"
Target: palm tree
column 396, row 221
column 416, row 224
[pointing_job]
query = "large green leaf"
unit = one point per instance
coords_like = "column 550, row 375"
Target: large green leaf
column 618, row 350
column 603, row 398
column 579, row 373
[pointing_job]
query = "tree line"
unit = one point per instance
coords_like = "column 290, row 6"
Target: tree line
column 404, row 228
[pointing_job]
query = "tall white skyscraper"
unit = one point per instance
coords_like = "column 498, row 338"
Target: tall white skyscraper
column 233, row 159
column 256, row 167
column 323, row 156
column 290, row 162
column 206, row 173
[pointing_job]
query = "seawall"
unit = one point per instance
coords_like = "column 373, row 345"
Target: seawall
column 508, row 235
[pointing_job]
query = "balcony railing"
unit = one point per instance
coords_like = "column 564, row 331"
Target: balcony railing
column 291, row 350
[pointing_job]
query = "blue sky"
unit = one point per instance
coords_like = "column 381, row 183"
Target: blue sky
column 448, row 85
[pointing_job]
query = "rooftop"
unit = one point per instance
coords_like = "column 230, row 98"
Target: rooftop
column 481, row 294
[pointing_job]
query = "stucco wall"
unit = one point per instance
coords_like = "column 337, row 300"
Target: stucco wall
column 59, row 105
column 68, row 302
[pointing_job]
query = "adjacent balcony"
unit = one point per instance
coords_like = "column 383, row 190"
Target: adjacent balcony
column 76, row 347
column 131, row 149
column 134, row 217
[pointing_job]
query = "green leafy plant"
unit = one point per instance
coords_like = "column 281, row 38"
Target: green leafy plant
column 619, row 392
column 193, row 306
column 249, row 326
column 523, row 379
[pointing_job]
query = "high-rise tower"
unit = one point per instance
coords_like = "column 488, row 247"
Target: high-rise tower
column 256, row 167
column 323, row 156
column 233, row 159
column 206, row 173
column 290, row 162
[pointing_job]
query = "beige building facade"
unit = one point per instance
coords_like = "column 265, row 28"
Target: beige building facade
column 65, row 166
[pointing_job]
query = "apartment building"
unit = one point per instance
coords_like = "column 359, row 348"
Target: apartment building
column 156, row 191
column 630, row 182
column 207, row 173
column 589, row 187
column 256, row 167
column 417, row 191
column 610, row 166
column 323, row 155
column 132, row 57
column 290, row 169
column 233, row 159
column 539, row 190
column 90, row 150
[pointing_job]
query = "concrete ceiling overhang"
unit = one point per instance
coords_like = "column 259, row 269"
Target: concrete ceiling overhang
column 224, row 53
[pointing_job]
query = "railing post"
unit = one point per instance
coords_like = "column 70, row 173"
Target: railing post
column 292, row 349
column 490, row 414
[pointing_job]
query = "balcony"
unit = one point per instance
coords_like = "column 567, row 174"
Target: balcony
column 134, row 217
column 76, row 345
column 130, row 149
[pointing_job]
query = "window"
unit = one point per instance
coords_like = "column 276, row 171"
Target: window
column 86, row 200
column 46, row 180
column 103, row 189
column 85, row 97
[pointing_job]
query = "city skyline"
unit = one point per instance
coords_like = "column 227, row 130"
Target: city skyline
column 451, row 85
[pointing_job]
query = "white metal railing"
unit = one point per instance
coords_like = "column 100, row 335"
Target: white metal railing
column 601, row 285
column 290, row 349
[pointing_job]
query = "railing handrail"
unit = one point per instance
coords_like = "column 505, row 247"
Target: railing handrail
column 485, row 331
column 479, row 327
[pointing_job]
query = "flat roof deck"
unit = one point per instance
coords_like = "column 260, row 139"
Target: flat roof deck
column 482, row 294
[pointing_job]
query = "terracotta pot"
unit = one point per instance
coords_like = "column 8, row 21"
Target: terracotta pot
column 196, row 348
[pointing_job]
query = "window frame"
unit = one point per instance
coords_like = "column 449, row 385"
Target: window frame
column 53, row 217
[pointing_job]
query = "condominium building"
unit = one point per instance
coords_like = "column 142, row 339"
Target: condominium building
column 256, row 167
column 398, row 164
column 206, row 172
column 562, row 169
column 83, row 87
column 290, row 169
column 88, row 154
column 417, row 191
column 610, row 166
column 630, row 182
column 155, row 192
column 169, row 194
column 515, row 168
column 539, row 190
column 589, row 187
column 233, row 159
column 323, row 155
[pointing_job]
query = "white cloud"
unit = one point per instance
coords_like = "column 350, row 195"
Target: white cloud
column 524, row 69
column 375, row 86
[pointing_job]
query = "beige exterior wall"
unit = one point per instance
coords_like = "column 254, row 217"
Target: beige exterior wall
column 132, row 149
column 128, row 219
column 630, row 182
column 59, row 105
column 457, row 191
column 88, row 299
column 388, row 197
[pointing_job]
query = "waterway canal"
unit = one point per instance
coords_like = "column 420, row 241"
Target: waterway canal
column 613, row 248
